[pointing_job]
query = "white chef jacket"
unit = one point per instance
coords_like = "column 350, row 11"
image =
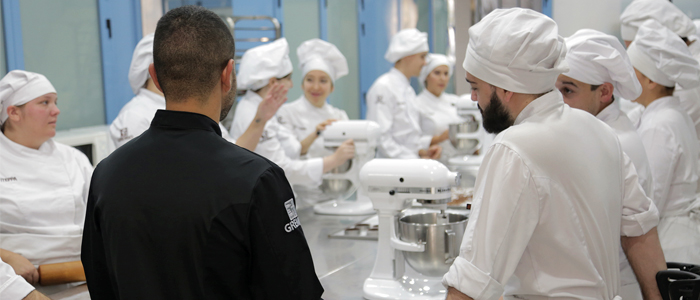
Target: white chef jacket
column 632, row 146
column 390, row 103
column 136, row 116
column 547, row 215
column 277, row 143
column 301, row 117
column 43, row 200
column 672, row 146
column 436, row 115
column 12, row 286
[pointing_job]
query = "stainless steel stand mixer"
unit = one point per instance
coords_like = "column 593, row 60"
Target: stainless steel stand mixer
column 410, row 262
column 343, row 181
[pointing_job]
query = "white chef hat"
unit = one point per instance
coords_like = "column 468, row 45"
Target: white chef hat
column 516, row 49
column 316, row 54
column 596, row 58
column 261, row 63
column 433, row 61
column 142, row 58
column 19, row 87
column 406, row 42
column 663, row 57
column 662, row 11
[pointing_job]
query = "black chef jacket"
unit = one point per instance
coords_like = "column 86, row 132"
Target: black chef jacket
column 180, row 213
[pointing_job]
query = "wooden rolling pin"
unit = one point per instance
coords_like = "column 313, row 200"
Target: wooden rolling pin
column 50, row 274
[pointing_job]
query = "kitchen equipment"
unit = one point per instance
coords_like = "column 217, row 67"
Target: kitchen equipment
column 344, row 181
column 392, row 184
column 441, row 236
column 67, row 272
column 468, row 167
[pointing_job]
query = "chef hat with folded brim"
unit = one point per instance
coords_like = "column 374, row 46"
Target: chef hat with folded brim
column 140, row 61
column 316, row 54
column 261, row 63
column 596, row 58
column 406, row 42
column 516, row 49
column 663, row 57
column 19, row 87
column 433, row 61
column 663, row 11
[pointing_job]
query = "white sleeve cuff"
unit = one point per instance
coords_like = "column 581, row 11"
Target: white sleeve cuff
column 16, row 288
column 316, row 170
column 425, row 141
column 468, row 279
column 639, row 224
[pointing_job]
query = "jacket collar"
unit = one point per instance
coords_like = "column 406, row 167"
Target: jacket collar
column 169, row 119
column 546, row 102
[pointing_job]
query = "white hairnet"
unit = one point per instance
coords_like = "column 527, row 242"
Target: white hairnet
column 261, row 63
column 433, row 61
column 516, row 49
column 663, row 11
column 316, row 54
column 142, row 58
column 596, row 58
column 19, row 87
column 406, row 42
column 663, row 57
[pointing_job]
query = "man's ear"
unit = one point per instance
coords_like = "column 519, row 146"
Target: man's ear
column 507, row 95
column 227, row 77
column 606, row 92
column 152, row 72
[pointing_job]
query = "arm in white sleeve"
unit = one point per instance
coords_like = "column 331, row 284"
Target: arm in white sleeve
column 639, row 214
column 12, row 286
column 380, row 108
column 308, row 171
column 660, row 146
column 500, row 226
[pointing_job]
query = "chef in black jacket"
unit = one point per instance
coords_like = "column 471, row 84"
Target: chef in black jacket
column 179, row 212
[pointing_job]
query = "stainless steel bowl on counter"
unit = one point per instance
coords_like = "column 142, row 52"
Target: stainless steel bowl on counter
column 442, row 238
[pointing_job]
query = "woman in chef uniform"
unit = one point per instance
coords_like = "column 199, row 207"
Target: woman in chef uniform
column 44, row 184
column 662, row 60
column 261, row 69
column 437, row 108
column 321, row 64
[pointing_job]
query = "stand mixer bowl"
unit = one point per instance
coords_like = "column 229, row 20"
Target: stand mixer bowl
column 464, row 146
column 442, row 238
column 335, row 188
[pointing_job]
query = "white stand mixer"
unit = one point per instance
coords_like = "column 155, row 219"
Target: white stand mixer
column 392, row 184
column 468, row 164
column 364, row 135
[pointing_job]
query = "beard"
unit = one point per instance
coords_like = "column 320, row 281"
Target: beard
column 227, row 102
column 496, row 117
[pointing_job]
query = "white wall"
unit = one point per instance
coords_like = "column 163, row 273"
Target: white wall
column 601, row 15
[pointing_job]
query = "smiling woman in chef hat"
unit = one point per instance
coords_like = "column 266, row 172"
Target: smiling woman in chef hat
column 262, row 70
column 44, row 184
column 321, row 64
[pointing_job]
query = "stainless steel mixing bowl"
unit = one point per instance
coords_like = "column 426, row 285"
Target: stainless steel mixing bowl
column 464, row 146
column 335, row 188
column 442, row 238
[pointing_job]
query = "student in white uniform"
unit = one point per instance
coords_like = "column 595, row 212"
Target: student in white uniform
column 136, row 116
column 661, row 61
column 666, row 13
column 437, row 108
column 548, row 216
column 44, row 184
column 600, row 73
column 391, row 100
column 14, row 287
column 321, row 64
column 262, row 69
